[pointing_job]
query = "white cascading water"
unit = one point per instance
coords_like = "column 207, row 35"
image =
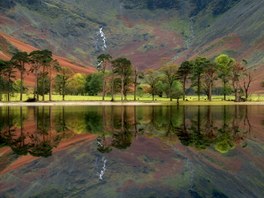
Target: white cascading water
column 100, row 164
column 102, row 171
column 100, row 40
column 103, row 38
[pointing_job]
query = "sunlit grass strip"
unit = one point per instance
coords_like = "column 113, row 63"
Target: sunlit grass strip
column 145, row 98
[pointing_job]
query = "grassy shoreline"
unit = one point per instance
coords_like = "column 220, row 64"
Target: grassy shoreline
column 141, row 100
column 125, row 103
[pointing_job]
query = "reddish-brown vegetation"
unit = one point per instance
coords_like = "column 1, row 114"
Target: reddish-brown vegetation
column 5, row 55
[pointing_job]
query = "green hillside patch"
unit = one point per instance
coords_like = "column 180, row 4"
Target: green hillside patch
column 178, row 25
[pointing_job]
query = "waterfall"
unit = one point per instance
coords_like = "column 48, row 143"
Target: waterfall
column 100, row 43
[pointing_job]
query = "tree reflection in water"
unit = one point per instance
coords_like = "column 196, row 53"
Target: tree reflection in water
column 122, row 126
column 223, row 133
column 199, row 127
column 37, row 140
column 37, row 130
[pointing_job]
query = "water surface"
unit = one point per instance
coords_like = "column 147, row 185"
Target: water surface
column 144, row 151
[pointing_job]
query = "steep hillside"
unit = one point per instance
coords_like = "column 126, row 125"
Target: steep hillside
column 9, row 45
column 147, row 31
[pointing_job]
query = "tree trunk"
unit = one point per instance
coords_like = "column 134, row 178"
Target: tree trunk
column 43, row 83
column 37, row 88
column 104, row 85
column 63, row 92
column 135, row 92
column 135, row 86
column 246, row 94
column 8, row 92
column 50, row 84
column 184, row 87
column 170, row 91
column 21, row 86
column 112, row 88
column 210, row 92
column 199, row 87
column 63, row 88
column 236, row 99
column 225, row 90
column 122, row 88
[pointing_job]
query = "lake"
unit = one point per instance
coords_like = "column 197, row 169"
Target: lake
column 132, row 151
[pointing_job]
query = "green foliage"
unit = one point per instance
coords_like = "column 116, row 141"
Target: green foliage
column 19, row 60
column 169, row 76
column 43, row 86
column 102, row 61
column 41, row 56
column 224, row 64
column 17, row 87
column 152, row 78
column 160, row 88
column 6, row 77
column 76, row 84
column 177, row 89
column 123, row 68
column 198, row 67
column 94, row 84
column 184, row 70
column 62, row 80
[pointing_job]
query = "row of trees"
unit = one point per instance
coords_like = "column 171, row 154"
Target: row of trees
column 201, row 74
column 40, row 63
column 119, row 75
column 50, row 77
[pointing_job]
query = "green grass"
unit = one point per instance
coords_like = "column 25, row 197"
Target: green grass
column 16, row 97
column 144, row 98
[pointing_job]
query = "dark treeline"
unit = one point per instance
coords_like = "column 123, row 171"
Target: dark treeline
column 198, row 126
column 120, row 76
column 13, row 73
column 199, row 76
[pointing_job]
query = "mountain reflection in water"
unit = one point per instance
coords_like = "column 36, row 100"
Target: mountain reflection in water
column 129, row 151
column 37, row 130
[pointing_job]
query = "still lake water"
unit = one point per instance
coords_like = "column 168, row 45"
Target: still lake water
column 133, row 151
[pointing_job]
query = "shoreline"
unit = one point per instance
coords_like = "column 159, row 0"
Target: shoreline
column 125, row 103
column 79, row 103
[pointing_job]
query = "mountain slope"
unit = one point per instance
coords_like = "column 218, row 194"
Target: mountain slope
column 9, row 45
column 148, row 31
